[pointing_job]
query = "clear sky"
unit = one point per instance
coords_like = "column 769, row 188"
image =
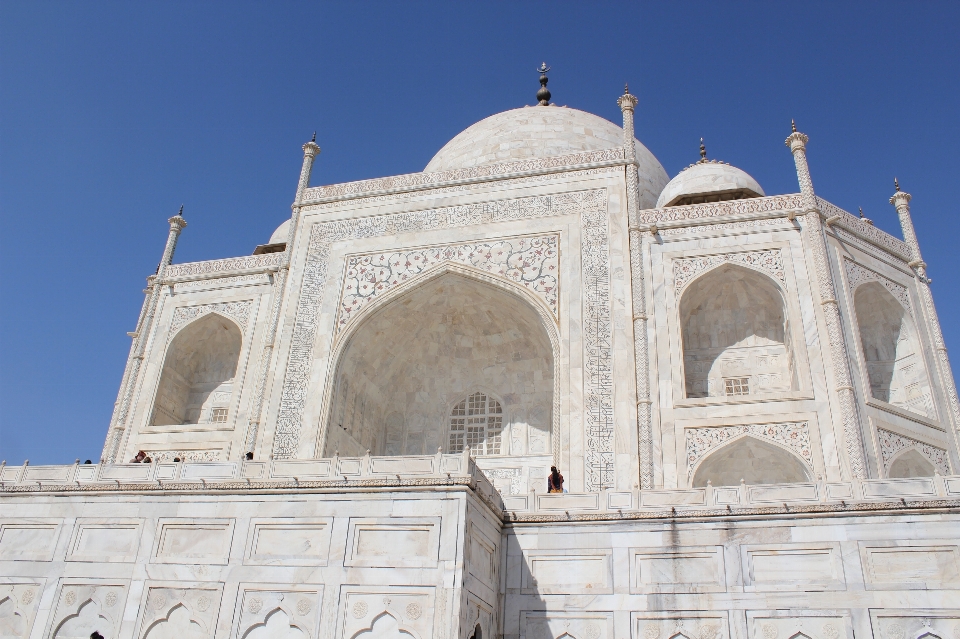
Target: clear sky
column 112, row 114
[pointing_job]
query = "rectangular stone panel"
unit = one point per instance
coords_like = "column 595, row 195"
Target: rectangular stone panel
column 289, row 542
column 782, row 493
column 929, row 564
column 402, row 465
column 568, row 501
column 107, row 540
column 918, row 487
column 690, row 570
column 193, row 541
column 694, row 497
column 28, row 540
column 567, row 572
column 390, row 542
column 793, row 567
column 301, row 469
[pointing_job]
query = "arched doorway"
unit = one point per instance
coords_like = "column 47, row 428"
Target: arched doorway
column 196, row 385
column 911, row 463
column 891, row 348
column 736, row 337
column 453, row 340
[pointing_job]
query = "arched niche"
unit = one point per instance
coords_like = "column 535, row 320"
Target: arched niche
column 891, row 348
column 735, row 335
column 411, row 360
column 753, row 460
column 196, row 384
column 910, row 463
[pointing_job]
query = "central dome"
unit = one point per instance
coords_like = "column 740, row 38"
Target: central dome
column 541, row 132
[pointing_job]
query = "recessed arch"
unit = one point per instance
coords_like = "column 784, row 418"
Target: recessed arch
column 84, row 623
column 910, row 462
column 196, row 383
column 408, row 358
column 735, row 334
column 385, row 626
column 891, row 349
column 752, row 459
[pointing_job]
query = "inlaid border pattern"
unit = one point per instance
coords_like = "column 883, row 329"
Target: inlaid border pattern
column 858, row 274
column 532, row 261
column 793, row 435
column 892, row 443
column 770, row 261
column 590, row 205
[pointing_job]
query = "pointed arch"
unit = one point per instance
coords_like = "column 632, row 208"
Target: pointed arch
column 437, row 337
column 735, row 334
column 892, row 353
column 178, row 624
column 83, row 623
column 910, row 462
column 385, row 626
column 275, row 625
column 196, row 382
column 755, row 460
column 11, row 619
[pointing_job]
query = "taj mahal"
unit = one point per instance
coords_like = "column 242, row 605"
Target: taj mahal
column 349, row 433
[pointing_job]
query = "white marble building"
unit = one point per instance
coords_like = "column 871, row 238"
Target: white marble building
column 349, row 431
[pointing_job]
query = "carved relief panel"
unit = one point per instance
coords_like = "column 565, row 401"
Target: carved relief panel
column 83, row 608
column 680, row 625
column 271, row 611
column 18, row 608
column 386, row 613
column 173, row 611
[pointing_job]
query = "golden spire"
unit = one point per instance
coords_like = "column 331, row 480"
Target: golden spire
column 896, row 184
column 793, row 125
column 703, row 151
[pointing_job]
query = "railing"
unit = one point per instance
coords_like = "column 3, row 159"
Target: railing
column 365, row 471
column 440, row 469
column 711, row 497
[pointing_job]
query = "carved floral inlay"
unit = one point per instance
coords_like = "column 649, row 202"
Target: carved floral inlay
column 238, row 311
column 769, row 261
column 530, row 261
column 893, row 443
column 793, row 435
column 857, row 275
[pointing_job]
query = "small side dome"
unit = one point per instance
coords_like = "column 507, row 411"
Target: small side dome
column 708, row 181
column 280, row 235
column 278, row 241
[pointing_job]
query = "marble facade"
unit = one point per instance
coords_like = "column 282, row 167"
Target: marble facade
column 350, row 431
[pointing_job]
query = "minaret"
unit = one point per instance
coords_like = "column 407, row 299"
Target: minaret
column 816, row 244
column 310, row 152
column 121, row 411
column 628, row 104
column 901, row 201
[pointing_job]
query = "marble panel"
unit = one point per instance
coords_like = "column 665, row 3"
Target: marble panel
column 106, row 540
column 914, row 623
column 667, row 624
column 29, row 540
column 393, row 542
column 568, row 572
column 193, row 541
column 792, row 567
column 569, row 625
column 691, row 569
column 179, row 610
column 898, row 565
column 789, row 624
column 19, row 602
column 292, row 541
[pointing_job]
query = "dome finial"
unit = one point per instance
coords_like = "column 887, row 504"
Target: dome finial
column 793, row 125
column 896, row 184
column 543, row 95
column 181, row 211
column 703, row 151
column 314, row 138
column 861, row 212
column 626, row 88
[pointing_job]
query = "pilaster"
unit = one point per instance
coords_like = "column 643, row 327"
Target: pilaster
column 628, row 104
column 816, row 241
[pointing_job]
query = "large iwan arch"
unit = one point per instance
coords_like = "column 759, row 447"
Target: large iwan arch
column 735, row 335
column 410, row 361
column 754, row 461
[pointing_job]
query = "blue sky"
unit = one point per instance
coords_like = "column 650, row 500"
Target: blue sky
column 112, row 114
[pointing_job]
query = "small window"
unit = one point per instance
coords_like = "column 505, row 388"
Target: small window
column 477, row 422
column 219, row 416
column 736, row 385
